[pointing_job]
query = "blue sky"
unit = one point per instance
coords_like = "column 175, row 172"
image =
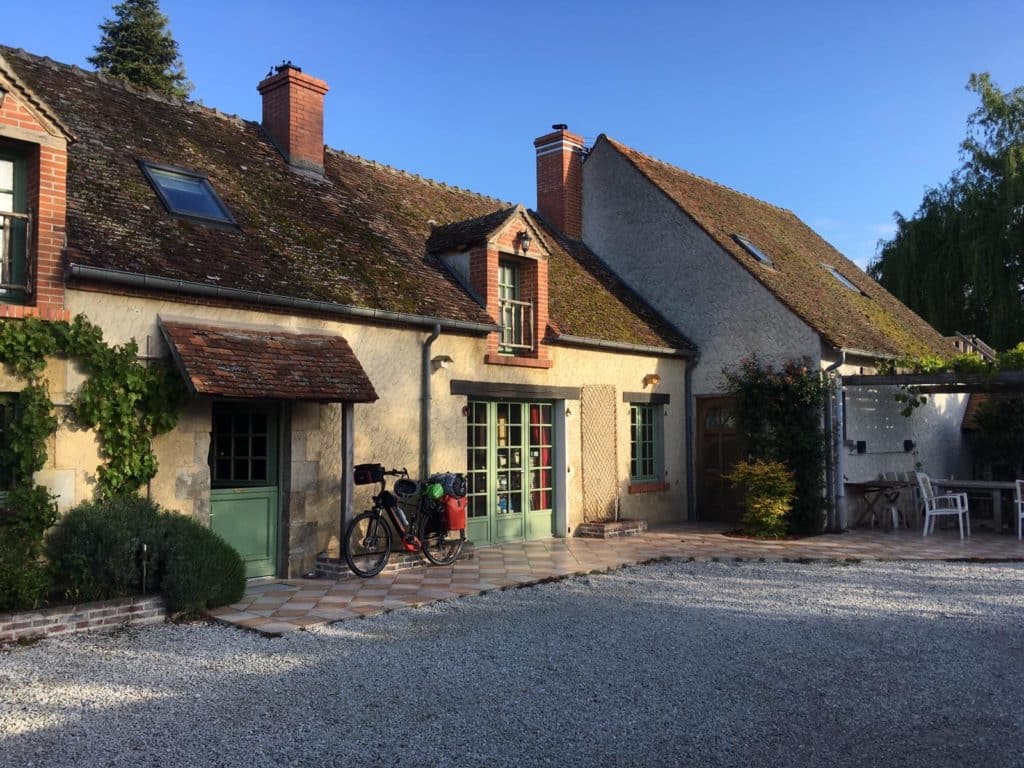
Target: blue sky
column 843, row 113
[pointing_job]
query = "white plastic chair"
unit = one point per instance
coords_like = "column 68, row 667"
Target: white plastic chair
column 1018, row 502
column 946, row 504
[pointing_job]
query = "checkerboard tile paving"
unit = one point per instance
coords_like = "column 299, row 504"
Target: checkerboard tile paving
column 276, row 607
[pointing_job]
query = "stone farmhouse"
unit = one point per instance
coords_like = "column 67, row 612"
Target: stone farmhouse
column 326, row 310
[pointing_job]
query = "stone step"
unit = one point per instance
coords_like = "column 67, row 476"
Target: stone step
column 335, row 568
column 608, row 529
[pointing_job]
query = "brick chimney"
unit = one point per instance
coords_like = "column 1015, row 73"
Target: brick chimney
column 293, row 115
column 560, row 180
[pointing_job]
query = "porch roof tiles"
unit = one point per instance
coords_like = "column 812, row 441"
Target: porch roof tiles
column 270, row 364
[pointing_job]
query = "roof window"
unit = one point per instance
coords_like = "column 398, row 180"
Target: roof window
column 753, row 250
column 188, row 194
column 838, row 276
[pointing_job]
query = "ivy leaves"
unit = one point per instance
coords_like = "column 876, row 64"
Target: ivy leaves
column 125, row 402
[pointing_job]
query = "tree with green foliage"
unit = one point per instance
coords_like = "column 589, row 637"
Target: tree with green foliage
column 959, row 261
column 137, row 46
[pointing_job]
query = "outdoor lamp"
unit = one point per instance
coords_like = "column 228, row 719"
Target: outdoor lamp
column 524, row 240
column 441, row 361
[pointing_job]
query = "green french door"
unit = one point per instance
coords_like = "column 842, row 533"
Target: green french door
column 510, row 471
column 243, row 475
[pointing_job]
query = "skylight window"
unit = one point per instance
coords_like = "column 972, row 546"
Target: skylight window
column 188, row 194
column 838, row 276
column 753, row 250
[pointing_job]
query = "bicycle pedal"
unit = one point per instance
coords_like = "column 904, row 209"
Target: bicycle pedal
column 411, row 543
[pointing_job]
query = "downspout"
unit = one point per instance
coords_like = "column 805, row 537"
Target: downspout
column 425, row 403
column 833, row 457
column 691, row 451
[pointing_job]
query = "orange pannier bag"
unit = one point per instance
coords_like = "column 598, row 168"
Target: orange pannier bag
column 455, row 512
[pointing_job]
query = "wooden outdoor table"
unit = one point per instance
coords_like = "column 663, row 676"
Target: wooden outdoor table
column 995, row 487
column 872, row 491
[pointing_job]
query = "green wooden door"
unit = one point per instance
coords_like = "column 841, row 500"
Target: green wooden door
column 243, row 471
column 510, row 471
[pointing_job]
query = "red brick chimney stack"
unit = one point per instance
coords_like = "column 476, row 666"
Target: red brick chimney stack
column 293, row 115
column 560, row 180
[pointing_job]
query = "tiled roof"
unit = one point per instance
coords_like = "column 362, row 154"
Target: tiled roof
column 870, row 319
column 263, row 363
column 449, row 237
column 358, row 237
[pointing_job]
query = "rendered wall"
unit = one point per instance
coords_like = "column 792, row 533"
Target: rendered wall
column 666, row 258
column 388, row 431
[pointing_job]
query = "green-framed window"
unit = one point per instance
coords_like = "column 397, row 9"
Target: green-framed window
column 646, row 443
column 243, row 446
column 515, row 315
column 14, row 227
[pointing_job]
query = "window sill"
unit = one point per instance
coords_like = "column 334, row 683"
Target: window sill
column 647, row 487
column 520, row 361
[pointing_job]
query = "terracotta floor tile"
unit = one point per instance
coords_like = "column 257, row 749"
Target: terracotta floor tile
column 283, row 606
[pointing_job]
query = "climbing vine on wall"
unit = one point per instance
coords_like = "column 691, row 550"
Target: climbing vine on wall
column 123, row 400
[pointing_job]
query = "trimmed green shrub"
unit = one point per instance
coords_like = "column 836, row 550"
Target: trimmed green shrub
column 770, row 489
column 199, row 569
column 95, row 551
column 26, row 514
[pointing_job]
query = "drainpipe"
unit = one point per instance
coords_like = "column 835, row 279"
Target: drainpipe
column 833, row 457
column 691, row 450
column 425, row 403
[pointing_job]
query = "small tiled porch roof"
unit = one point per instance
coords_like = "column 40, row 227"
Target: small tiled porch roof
column 251, row 363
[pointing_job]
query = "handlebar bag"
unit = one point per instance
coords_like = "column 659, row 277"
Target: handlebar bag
column 364, row 474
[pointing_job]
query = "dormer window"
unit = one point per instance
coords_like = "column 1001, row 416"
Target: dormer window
column 753, row 250
column 516, row 316
column 187, row 194
column 14, row 228
column 838, row 276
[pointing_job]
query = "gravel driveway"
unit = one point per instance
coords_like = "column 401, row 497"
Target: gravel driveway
column 671, row 664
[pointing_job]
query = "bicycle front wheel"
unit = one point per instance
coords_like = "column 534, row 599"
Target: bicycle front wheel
column 439, row 547
column 367, row 544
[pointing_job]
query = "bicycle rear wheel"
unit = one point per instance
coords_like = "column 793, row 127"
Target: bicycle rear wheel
column 439, row 547
column 367, row 544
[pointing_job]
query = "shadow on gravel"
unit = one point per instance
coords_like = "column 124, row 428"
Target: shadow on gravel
column 704, row 664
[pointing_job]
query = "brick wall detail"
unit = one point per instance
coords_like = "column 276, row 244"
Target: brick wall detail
column 65, row 619
column 560, row 181
column 46, row 197
column 533, row 276
column 293, row 115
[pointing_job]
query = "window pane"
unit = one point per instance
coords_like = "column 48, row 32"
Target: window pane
column 189, row 195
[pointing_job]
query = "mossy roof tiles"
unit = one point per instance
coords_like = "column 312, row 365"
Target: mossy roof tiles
column 872, row 319
column 357, row 237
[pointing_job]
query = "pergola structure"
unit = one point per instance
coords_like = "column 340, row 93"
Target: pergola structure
column 1003, row 382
